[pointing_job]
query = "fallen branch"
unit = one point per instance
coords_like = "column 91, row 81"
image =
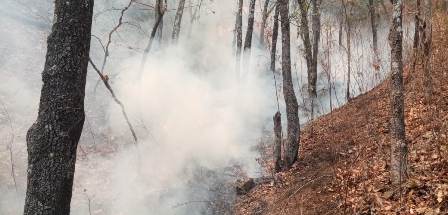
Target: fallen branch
column 105, row 80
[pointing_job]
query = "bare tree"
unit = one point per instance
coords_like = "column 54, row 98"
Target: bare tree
column 399, row 147
column 264, row 18
column 348, row 30
column 159, row 12
column 277, row 116
column 292, row 113
column 374, row 27
column 239, row 35
column 311, row 47
column 249, row 32
column 427, row 49
column 53, row 139
column 178, row 20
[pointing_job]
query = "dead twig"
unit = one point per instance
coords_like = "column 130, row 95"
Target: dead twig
column 105, row 80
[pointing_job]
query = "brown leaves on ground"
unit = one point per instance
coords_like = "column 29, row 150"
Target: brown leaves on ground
column 344, row 164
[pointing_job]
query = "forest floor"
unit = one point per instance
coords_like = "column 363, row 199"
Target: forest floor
column 343, row 165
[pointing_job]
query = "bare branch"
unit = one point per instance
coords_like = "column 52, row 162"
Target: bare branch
column 105, row 80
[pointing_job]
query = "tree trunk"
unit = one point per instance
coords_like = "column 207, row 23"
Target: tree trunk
column 274, row 39
column 250, row 26
column 417, row 31
column 159, row 9
column 427, row 50
column 248, row 39
column 292, row 115
column 349, row 52
column 316, row 37
column 399, row 148
column 52, row 140
column 277, row 117
column 305, row 33
column 373, row 24
column 178, row 20
column 263, row 20
column 239, row 35
column 277, row 142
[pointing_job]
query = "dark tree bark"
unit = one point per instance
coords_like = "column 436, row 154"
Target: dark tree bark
column 250, row 26
column 248, row 39
column 277, row 142
column 292, row 112
column 178, row 20
column 239, row 35
column 52, row 140
column 399, row 147
column 264, row 18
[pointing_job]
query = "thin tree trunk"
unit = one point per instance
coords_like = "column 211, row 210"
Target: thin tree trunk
column 250, row 26
column 150, row 42
column 239, row 36
column 373, row 24
column 263, row 21
column 53, row 139
column 248, row 39
column 292, row 115
column 399, row 147
column 349, row 52
column 159, row 9
column 178, row 20
column 274, row 39
column 316, row 37
column 427, row 49
column 277, row 117
column 417, row 31
column 305, row 33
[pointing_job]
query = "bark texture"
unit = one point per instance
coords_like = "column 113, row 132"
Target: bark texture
column 52, row 140
column 399, row 147
column 274, row 39
column 372, row 12
column 178, row 20
column 292, row 116
column 277, row 142
column 239, row 35
column 348, row 31
column 264, row 18
column 250, row 26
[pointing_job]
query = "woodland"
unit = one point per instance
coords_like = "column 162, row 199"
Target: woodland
column 118, row 107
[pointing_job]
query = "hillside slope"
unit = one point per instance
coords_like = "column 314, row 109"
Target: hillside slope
column 343, row 166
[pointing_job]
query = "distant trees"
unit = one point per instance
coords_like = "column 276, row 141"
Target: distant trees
column 264, row 19
column 53, row 139
column 399, row 147
column 292, row 115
